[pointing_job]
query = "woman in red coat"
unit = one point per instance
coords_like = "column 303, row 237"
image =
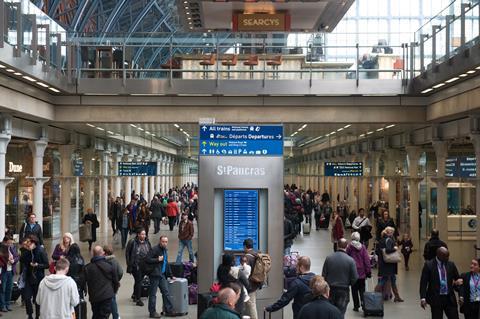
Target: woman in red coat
column 337, row 229
column 172, row 212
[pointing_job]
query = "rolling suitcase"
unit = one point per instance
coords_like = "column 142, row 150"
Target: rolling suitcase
column 179, row 291
column 177, row 269
column 82, row 309
column 306, row 228
column 15, row 292
column 205, row 300
column 372, row 303
column 145, row 286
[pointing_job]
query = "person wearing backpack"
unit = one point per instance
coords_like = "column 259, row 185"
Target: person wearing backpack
column 135, row 254
column 299, row 290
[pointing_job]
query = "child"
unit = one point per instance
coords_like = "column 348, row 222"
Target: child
column 407, row 246
column 246, row 270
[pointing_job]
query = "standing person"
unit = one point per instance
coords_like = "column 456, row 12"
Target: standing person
column 31, row 227
column 158, row 257
column 288, row 236
column 156, row 209
column 359, row 253
column 251, row 304
column 61, row 250
column 57, row 294
column 114, row 212
column 439, row 275
column 225, row 307
column 124, row 228
column 384, row 222
column 407, row 247
column 362, row 224
column 299, row 290
column 308, row 206
column 432, row 245
column 135, row 254
column 7, row 272
column 143, row 218
column 185, row 235
column 91, row 219
column 102, row 283
column 110, row 257
column 469, row 296
column 319, row 303
column 387, row 272
column 172, row 211
column 77, row 265
column 325, row 197
column 340, row 271
column 34, row 261
column 227, row 274
column 337, row 229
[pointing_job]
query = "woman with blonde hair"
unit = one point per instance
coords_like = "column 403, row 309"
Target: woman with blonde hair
column 387, row 271
column 61, row 250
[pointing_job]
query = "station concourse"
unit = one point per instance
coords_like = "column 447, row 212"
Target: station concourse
column 374, row 102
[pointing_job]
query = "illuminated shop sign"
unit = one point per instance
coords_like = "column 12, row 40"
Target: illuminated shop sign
column 261, row 22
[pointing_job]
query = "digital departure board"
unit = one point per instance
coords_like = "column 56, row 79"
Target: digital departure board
column 346, row 169
column 240, row 211
column 137, row 168
column 463, row 167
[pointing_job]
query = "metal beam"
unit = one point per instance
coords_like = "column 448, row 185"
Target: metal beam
column 119, row 8
column 53, row 7
column 79, row 13
column 139, row 19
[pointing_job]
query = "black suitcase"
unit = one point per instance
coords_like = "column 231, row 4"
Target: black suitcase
column 82, row 309
column 178, row 270
column 372, row 303
column 205, row 300
column 145, row 286
column 15, row 292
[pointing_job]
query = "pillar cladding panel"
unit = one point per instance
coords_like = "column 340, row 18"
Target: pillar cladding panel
column 262, row 173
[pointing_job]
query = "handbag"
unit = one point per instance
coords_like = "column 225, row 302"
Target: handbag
column 392, row 258
column 21, row 280
column 51, row 267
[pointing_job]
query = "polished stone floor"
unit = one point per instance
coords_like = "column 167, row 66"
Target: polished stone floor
column 316, row 245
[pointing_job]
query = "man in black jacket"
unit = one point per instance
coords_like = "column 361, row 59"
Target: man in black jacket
column 288, row 235
column 319, row 307
column 31, row 227
column 299, row 290
column 436, row 285
column 431, row 246
column 156, row 209
column 158, row 257
column 102, row 283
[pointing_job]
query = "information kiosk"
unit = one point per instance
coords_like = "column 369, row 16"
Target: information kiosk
column 241, row 196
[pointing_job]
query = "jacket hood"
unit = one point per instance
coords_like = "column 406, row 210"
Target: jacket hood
column 356, row 244
column 305, row 278
column 55, row 282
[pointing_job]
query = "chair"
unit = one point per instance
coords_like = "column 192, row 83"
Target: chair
column 229, row 61
column 274, row 63
column 206, row 62
column 171, row 64
column 251, row 62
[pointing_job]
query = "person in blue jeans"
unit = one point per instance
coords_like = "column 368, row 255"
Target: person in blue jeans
column 157, row 259
column 125, row 227
column 185, row 235
column 7, row 249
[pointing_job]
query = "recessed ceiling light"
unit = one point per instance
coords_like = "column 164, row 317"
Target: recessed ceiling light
column 188, row 13
column 331, row 133
column 29, row 79
column 304, row 126
column 327, row 135
column 371, row 132
column 478, row 68
column 88, row 124
column 140, row 129
column 427, row 90
column 147, row 132
column 362, row 135
column 463, row 75
column 2, row 66
column 347, row 126
column 42, row 84
column 10, row 70
column 186, row 8
column 390, row 126
column 17, row 73
column 379, row 129
column 93, row 158
column 100, row 129
column 471, row 71
column 340, row 129
column 176, row 125
column 189, row 18
column 110, row 132
column 439, row 85
column 133, row 125
column 153, row 135
column 185, row 1
column 54, row 90
column 452, row 79
column 191, row 27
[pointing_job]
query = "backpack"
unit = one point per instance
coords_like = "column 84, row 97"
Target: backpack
column 263, row 264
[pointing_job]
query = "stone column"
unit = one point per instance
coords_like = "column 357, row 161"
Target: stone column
column 145, row 182
column 414, row 153
column 441, row 153
column 88, row 156
column 38, row 150
column 4, row 181
column 170, row 173
column 375, row 171
column 363, row 185
column 475, row 138
column 137, row 184
column 164, row 176
column 128, row 180
column 117, row 180
column 321, row 178
column 104, row 190
column 67, row 179
column 392, row 157
column 158, row 184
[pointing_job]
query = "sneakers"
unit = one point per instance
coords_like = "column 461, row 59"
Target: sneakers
column 139, row 303
column 155, row 315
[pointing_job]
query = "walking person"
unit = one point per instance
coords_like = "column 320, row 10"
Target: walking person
column 7, row 272
column 387, row 271
column 57, row 293
column 362, row 225
column 156, row 209
column 61, row 249
column 77, row 265
column 143, row 218
column 158, row 257
column 124, row 227
column 102, row 284
column 469, row 292
column 337, row 229
column 439, row 276
column 34, row 261
column 135, row 254
column 110, row 257
column 185, row 235
column 340, row 271
column 91, row 219
column 407, row 248
column 31, row 227
column 172, row 212
column 320, row 303
column 431, row 246
column 359, row 253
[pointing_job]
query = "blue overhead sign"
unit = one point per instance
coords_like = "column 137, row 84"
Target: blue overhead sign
column 241, row 140
column 463, row 167
column 137, row 168
column 346, row 169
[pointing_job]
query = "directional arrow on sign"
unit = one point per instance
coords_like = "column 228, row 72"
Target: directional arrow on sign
column 279, row 136
column 204, row 151
column 204, row 128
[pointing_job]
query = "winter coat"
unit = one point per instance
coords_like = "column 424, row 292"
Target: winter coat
column 337, row 229
column 172, row 209
column 156, row 209
column 57, row 296
column 95, row 224
column 36, row 230
column 131, row 256
column 152, row 258
column 321, row 306
column 185, row 230
column 101, row 279
column 386, row 269
column 34, row 274
column 360, row 255
column 220, row 311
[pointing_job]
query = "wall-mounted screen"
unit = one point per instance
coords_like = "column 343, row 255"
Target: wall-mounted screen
column 240, row 212
column 462, row 166
column 343, row 169
column 137, row 168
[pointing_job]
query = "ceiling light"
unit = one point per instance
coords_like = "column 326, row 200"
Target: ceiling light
column 185, row 2
column 110, row 132
column 426, row 91
column 340, row 129
column 189, row 18
column 478, row 68
column 380, row 129
column 452, row 79
column 42, row 84
column 10, row 70
column 362, row 135
column 186, row 8
column 191, row 27
column 54, row 90
column 471, row 71
column 331, row 133
column 93, row 158
column 439, row 85
column 390, row 126
column 17, row 73
column 347, row 126
column 88, row 124
column 100, row 129
column 133, row 125
column 188, row 12
column 153, row 135
column 304, row 126
column 371, row 132
column 29, row 79
column 463, row 75
column 147, row 132
column 2, row 66
column 140, row 129
column 176, row 125
column 327, row 135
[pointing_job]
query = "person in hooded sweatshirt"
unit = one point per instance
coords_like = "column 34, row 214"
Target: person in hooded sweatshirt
column 299, row 290
column 58, row 294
